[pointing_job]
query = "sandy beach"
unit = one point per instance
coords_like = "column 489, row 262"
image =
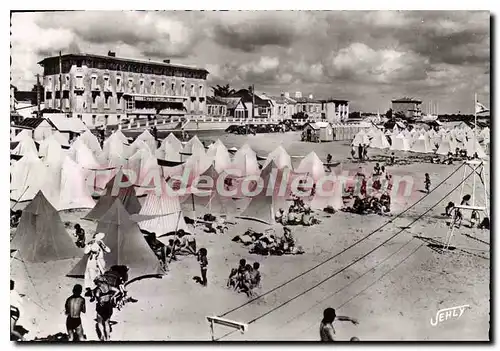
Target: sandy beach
column 394, row 291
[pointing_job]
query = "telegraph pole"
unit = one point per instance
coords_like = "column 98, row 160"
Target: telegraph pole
column 38, row 95
column 60, row 82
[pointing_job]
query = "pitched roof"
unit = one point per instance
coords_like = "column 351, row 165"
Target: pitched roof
column 246, row 96
column 232, row 102
column 283, row 100
column 68, row 124
column 306, row 99
column 318, row 125
column 31, row 123
column 214, row 101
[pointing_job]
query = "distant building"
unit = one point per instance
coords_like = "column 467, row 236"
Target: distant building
column 308, row 105
column 216, row 107
column 40, row 128
column 262, row 108
column 235, row 107
column 103, row 90
column 335, row 111
column 408, row 106
column 283, row 106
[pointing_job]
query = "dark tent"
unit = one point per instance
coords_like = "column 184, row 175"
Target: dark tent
column 127, row 243
column 126, row 194
column 41, row 236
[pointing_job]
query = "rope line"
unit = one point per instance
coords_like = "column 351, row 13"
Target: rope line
column 357, row 260
column 344, row 287
column 372, row 284
column 344, row 250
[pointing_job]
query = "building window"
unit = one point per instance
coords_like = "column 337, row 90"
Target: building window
column 118, row 118
column 200, row 90
column 183, row 89
column 106, row 83
column 153, row 89
column 141, row 86
column 192, row 90
column 163, row 92
column 48, row 95
column 131, row 85
column 118, row 84
column 94, row 83
column 79, row 82
column 66, row 84
column 79, row 63
column 93, row 119
column 106, row 119
column 173, row 89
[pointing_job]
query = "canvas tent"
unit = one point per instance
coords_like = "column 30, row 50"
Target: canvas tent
column 361, row 138
column 311, row 165
column 25, row 146
column 28, row 175
column 66, row 187
column 127, row 244
column 148, row 139
column 472, row 146
column 51, row 151
column 219, row 155
column 379, row 141
column 446, row 145
column 175, row 143
column 245, row 162
column 167, row 207
column 168, row 152
column 91, row 141
column 124, row 191
column 41, row 236
column 421, row 145
column 280, row 158
column 400, row 142
column 194, row 147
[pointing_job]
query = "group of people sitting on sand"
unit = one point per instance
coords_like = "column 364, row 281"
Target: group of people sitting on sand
column 459, row 155
column 377, row 201
column 182, row 244
column 246, row 278
column 270, row 244
column 298, row 214
column 215, row 225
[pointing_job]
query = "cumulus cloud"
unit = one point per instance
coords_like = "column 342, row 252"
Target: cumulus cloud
column 348, row 54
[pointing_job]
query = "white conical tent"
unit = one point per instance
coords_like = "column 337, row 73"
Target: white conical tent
column 194, row 147
column 280, row 158
column 173, row 141
column 82, row 155
column 379, row 141
column 120, row 136
column 168, row 152
column 148, row 139
column 165, row 205
column 360, row 139
column 485, row 135
column 142, row 164
column 28, row 175
column 114, row 145
column 311, row 165
column 91, row 141
column 137, row 145
column 446, row 146
column 63, row 140
column 421, row 145
column 66, row 187
column 473, row 147
column 245, row 161
column 25, row 133
column 26, row 146
column 218, row 154
column 195, row 166
column 51, row 151
column 395, row 129
column 400, row 142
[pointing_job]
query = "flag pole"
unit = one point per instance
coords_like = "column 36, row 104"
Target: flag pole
column 474, row 147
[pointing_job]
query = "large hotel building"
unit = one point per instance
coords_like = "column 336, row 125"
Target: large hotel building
column 107, row 89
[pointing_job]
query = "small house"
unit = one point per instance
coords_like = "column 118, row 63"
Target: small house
column 318, row 132
column 40, row 128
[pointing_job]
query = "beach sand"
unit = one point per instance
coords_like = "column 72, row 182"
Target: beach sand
column 395, row 300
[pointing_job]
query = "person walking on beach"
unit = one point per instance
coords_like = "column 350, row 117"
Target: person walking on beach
column 326, row 329
column 75, row 305
column 96, row 265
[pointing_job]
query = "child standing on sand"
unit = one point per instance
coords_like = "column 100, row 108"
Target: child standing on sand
column 202, row 258
column 427, row 182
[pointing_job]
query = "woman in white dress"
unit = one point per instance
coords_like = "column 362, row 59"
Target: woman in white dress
column 96, row 265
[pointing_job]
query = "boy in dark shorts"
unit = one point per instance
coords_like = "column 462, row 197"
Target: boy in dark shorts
column 104, row 294
column 202, row 258
column 75, row 305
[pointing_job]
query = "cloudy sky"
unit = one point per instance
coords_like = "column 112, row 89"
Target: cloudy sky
column 365, row 57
